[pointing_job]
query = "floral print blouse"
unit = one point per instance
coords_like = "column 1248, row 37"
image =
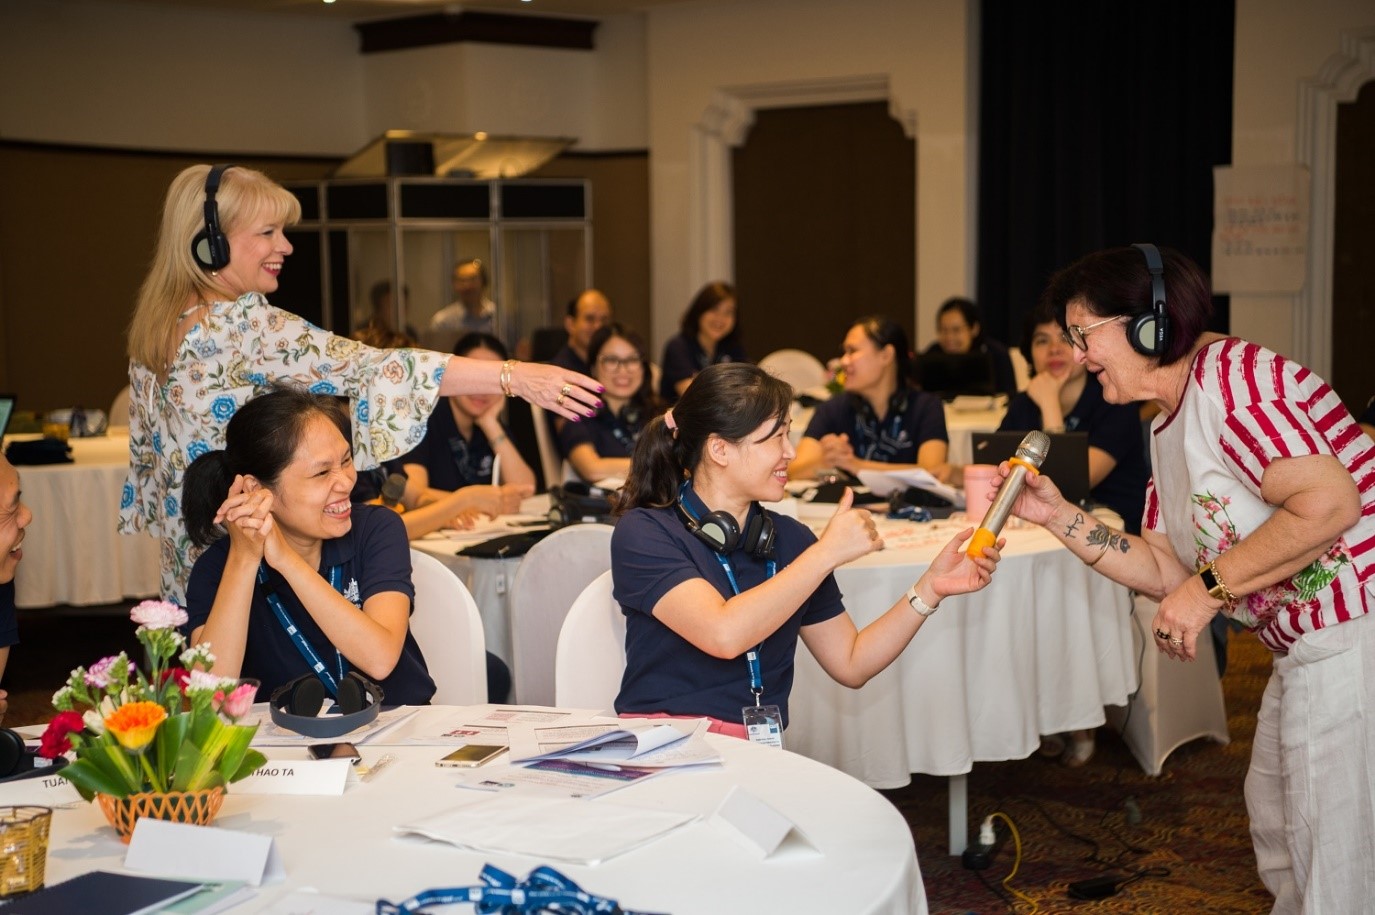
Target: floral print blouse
column 239, row 349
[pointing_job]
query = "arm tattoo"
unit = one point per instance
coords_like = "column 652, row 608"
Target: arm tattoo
column 1102, row 534
column 1074, row 525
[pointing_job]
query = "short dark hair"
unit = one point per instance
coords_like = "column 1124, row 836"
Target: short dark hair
column 573, row 302
column 967, row 309
column 644, row 397
column 476, row 339
column 728, row 399
column 1115, row 281
column 884, row 331
column 707, row 298
column 260, row 440
column 1042, row 313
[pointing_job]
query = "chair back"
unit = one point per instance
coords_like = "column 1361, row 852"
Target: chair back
column 119, row 409
column 800, row 369
column 590, row 658
column 447, row 626
column 551, row 463
column 550, row 577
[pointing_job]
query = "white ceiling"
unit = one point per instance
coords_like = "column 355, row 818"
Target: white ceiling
column 358, row 10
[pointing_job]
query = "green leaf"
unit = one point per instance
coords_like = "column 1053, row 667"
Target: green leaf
column 90, row 778
column 167, row 745
column 252, row 761
column 235, row 747
column 187, row 759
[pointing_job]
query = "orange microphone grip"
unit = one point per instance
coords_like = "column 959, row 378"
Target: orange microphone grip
column 982, row 537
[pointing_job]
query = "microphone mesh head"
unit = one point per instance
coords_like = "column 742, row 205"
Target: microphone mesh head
column 395, row 487
column 1034, row 448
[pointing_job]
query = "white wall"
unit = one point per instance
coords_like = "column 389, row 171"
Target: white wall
column 695, row 49
column 1279, row 44
column 166, row 77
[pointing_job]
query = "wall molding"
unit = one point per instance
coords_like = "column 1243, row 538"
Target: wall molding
column 430, row 29
column 725, row 123
column 1338, row 80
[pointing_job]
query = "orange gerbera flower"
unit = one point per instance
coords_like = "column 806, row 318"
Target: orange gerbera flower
column 135, row 723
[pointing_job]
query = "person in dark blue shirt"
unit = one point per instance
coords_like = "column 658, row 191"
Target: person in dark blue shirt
column 880, row 420
column 710, row 334
column 15, row 518
column 295, row 575
column 601, row 447
column 705, row 575
column 965, row 360
column 588, row 312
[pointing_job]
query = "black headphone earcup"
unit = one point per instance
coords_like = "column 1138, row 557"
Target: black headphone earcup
column 307, row 698
column 719, row 531
column 350, row 696
column 210, row 250
column 1141, row 334
column 11, row 752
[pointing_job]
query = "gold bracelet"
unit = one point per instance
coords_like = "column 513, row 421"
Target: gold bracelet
column 1101, row 553
column 506, row 368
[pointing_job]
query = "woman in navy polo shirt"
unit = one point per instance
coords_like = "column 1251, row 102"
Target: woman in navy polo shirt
column 710, row 334
column 601, row 447
column 880, row 420
column 464, row 438
column 298, row 555
column 707, row 577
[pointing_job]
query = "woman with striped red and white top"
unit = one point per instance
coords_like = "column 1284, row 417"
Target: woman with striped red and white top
column 1261, row 505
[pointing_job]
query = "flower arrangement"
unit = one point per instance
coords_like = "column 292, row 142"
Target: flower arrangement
column 173, row 730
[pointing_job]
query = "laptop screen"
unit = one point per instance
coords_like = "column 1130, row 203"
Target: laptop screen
column 6, row 411
column 1067, row 462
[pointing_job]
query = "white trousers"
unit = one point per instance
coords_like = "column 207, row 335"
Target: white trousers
column 1310, row 791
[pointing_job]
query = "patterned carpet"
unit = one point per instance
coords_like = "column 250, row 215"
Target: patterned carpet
column 1191, row 839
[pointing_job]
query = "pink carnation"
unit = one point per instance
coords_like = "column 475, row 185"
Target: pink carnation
column 158, row 614
column 99, row 673
column 238, row 702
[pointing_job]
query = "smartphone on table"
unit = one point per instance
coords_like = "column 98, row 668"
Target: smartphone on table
column 473, row 754
column 341, row 750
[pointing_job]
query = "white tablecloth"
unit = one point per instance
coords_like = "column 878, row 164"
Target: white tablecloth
column 345, row 846
column 73, row 553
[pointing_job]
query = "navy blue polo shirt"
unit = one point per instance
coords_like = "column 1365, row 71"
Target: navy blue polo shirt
column 684, row 357
column 609, row 434
column 568, row 359
column 451, row 460
column 652, row 552
column 9, row 617
column 913, row 417
column 1113, row 428
column 375, row 558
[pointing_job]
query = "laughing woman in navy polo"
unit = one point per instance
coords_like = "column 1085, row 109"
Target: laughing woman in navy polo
column 295, row 574
column 601, row 447
column 716, row 589
column 880, row 420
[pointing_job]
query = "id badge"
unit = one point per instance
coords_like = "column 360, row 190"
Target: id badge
column 764, row 725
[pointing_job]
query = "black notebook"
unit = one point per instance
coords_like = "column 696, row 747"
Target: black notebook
column 104, row 892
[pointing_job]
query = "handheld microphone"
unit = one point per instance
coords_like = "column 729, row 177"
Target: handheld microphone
column 393, row 490
column 1030, row 454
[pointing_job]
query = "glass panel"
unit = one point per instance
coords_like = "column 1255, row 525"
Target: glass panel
column 431, row 257
column 541, row 270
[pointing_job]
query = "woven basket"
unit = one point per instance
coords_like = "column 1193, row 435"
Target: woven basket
column 23, row 848
column 198, row 808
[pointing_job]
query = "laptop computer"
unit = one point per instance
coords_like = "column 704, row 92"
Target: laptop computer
column 6, row 411
column 1067, row 462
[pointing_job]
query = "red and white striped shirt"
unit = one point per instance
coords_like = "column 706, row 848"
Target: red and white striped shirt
column 1244, row 407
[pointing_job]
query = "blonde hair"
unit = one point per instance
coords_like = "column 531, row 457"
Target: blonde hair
column 175, row 279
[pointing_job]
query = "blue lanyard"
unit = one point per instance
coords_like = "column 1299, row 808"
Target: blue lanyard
column 307, row 650
column 871, row 442
column 543, row 890
column 751, row 656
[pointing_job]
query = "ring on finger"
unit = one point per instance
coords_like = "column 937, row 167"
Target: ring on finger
column 561, row 398
column 1176, row 642
column 565, row 390
column 1163, row 636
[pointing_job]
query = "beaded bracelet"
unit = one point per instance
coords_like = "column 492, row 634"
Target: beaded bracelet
column 506, row 368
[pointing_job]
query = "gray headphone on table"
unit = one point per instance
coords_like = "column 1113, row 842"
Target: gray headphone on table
column 296, row 705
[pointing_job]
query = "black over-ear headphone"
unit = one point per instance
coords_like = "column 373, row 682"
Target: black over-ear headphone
column 296, row 705
column 720, row 531
column 1149, row 332
column 210, row 247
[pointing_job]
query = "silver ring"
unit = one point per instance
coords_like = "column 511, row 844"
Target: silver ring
column 1176, row 641
column 1163, row 636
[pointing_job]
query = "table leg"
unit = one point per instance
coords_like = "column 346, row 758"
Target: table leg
column 958, row 787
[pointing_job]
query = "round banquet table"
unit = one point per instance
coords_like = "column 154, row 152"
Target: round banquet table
column 73, row 551
column 345, row 846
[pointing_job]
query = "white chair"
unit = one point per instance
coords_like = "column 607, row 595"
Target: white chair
column 590, row 658
column 550, row 462
column 800, row 369
column 550, row 577
column 119, row 409
column 1177, row 701
column 448, row 628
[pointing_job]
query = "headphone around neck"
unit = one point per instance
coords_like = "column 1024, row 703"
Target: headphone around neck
column 296, row 705
column 210, row 247
column 721, row 532
column 1149, row 332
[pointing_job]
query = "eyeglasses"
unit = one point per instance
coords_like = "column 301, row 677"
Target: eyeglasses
column 612, row 363
column 1078, row 335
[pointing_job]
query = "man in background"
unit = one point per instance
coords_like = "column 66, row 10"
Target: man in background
column 470, row 311
column 588, row 311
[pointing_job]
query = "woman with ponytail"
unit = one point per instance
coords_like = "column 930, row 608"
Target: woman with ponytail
column 717, row 589
column 292, row 572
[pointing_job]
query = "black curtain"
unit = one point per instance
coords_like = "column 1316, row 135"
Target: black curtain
column 1099, row 125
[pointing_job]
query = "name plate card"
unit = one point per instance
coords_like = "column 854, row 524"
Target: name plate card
column 44, row 790
column 204, row 853
column 296, row 776
column 761, row 827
